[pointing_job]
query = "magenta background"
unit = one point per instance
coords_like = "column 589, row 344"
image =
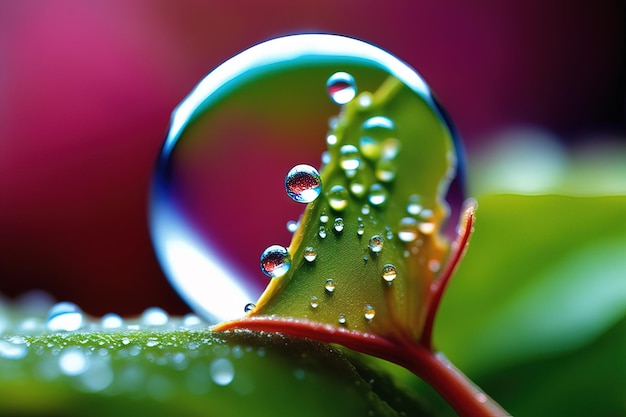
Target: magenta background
column 86, row 90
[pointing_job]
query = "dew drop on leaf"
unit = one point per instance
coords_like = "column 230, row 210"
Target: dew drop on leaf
column 377, row 195
column 330, row 286
column 275, row 261
column 310, row 254
column 389, row 272
column 249, row 307
column 376, row 244
column 338, row 225
column 341, row 87
column 65, row 316
column 303, row 183
column 338, row 197
column 369, row 312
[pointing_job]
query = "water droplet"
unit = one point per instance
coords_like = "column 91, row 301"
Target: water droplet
column 378, row 125
column 111, row 321
column 365, row 99
column 275, row 261
column 357, row 189
column 249, row 307
column 292, row 226
column 342, row 320
column 65, row 317
column 191, row 320
column 414, row 207
column 341, row 87
column 314, row 302
column 385, row 170
column 376, row 130
column 368, row 312
column 322, row 232
column 326, row 158
column 73, row 361
column 152, row 342
column 377, row 195
column 338, row 197
column 349, row 158
column 154, row 316
column 208, row 144
column 10, row 349
column 310, row 254
column 324, row 218
column 360, row 229
column 330, row 286
column 303, row 183
column 365, row 210
column 376, row 244
column 434, row 265
column 407, row 231
column 125, row 340
column 390, row 149
column 338, row 225
column 389, row 272
column 331, row 140
column 222, row 371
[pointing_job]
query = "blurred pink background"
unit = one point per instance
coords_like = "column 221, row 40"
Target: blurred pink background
column 86, row 90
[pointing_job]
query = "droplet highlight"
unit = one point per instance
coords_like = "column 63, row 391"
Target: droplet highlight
column 314, row 302
column 66, row 317
column 249, row 307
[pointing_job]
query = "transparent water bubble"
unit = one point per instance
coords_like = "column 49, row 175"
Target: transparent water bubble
column 342, row 320
column 407, row 230
column 349, row 158
column 322, row 232
column 338, row 197
column 249, row 307
column 377, row 195
column 222, row 371
column 245, row 113
column 338, row 225
column 154, row 316
column 369, row 312
column 314, row 303
column 275, row 261
column 73, row 361
column 310, row 254
column 303, row 183
column 341, row 87
column 66, row 317
column 389, row 272
column 330, row 286
column 13, row 350
column 111, row 321
column 376, row 243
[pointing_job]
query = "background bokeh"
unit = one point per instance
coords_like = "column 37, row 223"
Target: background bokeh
column 86, row 90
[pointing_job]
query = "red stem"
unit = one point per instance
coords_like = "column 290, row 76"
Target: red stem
column 438, row 287
column 464, row 397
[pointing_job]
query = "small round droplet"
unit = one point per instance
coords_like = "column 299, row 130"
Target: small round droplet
column 377, row 195
column 385, row 170
column 222, row 371
column 426, row 224
column 365, row 210
column 341, row 87
column 249, row 307
column 324, row 218
column 407, row 231
column 303, row 183
column 365, row 99
column 111, row 321
column 338, row 197
column 322, row 232
column 342, row 320
column 338, row 225
column 369, row 312
column 310, row 254
column 389, row 272
column 65, row 317
column 434, row 265
column 330, row 286
column 154, row 316
column 275, row 261
column 331, row 140
column 292, row 226
column 376, row 131
column 357, row 189
column 349, row 158
column 376, row 244
column 414, row 207
column 314, row 303
column 360, row 229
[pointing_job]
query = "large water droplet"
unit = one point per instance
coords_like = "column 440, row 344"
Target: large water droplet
column 65, row 317
column 314, row 303
column 389, row 272
column 249, row 307
column 227, row 148
column 275, row 261
column 341, row 87
column 10, row 349
column 303, row 183
column 154, row 316
column 112, row 321
column 338, row 197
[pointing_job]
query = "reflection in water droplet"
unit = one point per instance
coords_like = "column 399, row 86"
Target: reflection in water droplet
column 342, row 320
column 330, row 286
column 275, row 261
column 13, row 350
column 341, row 87
column 376, row 243
column 338, row 225
column 111, row 321
column 360, row 229
column 249, row 307
column 222, row 371
column 314, row 302
column 377, row 195
column 324, row 218
column 349, row 158
column 389, row 272
column 211, row 137
column 365, row 210
column 338, row 197
column 407, row 231
column 303, row 183
column 369, row 312
column 310, row 254
column 154, row 316
column 322, row 232
column 65, row 317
